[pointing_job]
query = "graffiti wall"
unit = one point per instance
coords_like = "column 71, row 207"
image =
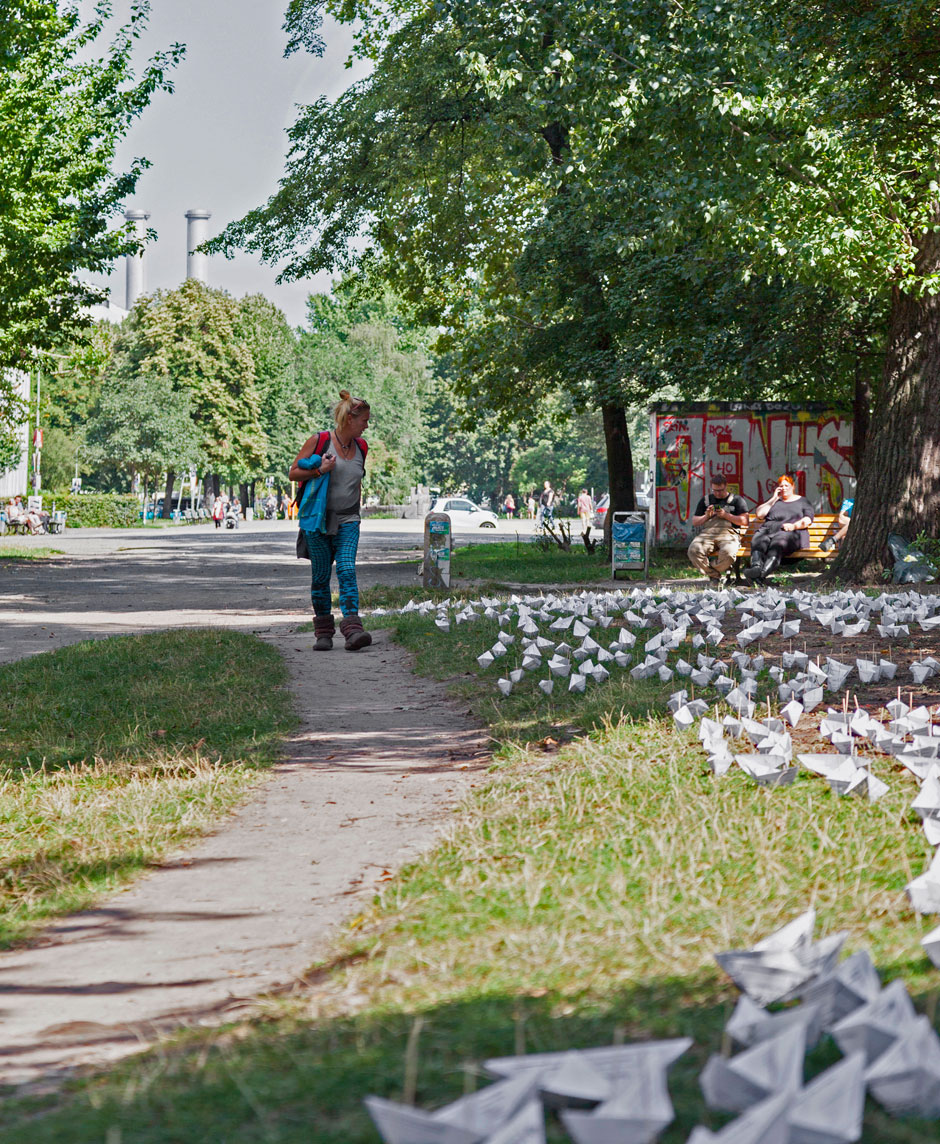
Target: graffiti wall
column 751, row 446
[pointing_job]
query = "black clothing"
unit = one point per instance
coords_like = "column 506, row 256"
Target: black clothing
column 785, row 512
column 732, row 503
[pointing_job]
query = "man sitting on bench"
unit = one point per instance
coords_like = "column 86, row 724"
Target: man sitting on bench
column 721, row 516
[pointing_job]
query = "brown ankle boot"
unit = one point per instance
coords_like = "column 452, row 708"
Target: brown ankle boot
column 323, row 627
column 356, row 636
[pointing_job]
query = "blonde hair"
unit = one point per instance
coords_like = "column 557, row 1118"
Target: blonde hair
column 348, row 407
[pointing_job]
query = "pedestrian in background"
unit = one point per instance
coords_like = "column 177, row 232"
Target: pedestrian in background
column 585, row 510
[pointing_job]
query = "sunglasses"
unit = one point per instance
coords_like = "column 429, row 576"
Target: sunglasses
column 359, row 406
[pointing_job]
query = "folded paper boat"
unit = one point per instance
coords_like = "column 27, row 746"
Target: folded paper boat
column 874, row 1027
column 637, row 1114
column 830, row 1109
column 852, row 984
column 765, row 1123
column 905, row 1079
column 783, row 964
column 750, row 1023
column 768, row 1069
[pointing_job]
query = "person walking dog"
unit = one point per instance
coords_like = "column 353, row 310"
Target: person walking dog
column 332, row 463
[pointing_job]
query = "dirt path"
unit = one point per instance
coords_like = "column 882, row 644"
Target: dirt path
column 366, row 782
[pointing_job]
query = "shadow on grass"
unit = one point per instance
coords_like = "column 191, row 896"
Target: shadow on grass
column 282, row 1082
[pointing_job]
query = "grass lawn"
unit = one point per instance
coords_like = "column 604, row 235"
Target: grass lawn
column 575, row 899
column 113, row 750
column 528, row 563
column 21, row 552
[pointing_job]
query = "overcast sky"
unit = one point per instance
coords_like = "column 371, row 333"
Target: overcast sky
column 218, row 141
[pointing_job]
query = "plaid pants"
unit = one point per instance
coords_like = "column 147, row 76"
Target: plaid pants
column 323, row 551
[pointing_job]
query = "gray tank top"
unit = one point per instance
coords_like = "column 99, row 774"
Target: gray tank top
column 344, row 491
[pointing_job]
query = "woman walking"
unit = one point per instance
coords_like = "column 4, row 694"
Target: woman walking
column 332, row 463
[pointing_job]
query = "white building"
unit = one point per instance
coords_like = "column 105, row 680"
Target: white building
column 13, row 481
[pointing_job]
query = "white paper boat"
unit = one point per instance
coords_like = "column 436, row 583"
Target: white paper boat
column 874, row 1027
column 783, row 964
column 615, row 1062
column 527, row 1126
column 402, row 1124
column 906, row 1077
column 830, row 1109
column 489, row 1108
column 768, row 1069
column 924, row 890
column 750, row 1024
column 639, row 1111
column 547, row 685
column 765, row 1123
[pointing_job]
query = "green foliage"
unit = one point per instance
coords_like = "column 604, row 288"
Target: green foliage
column 371, row 347
column 64, row 106
column 100, row 510
column 190, row 336
column 144, row 425
column 265, row 332
column 59, row 453
column 12, row 414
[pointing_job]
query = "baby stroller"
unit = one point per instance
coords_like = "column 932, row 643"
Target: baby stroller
column 231, row 514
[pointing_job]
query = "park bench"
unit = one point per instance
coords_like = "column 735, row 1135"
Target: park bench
column 823, row 526
column 57, row 521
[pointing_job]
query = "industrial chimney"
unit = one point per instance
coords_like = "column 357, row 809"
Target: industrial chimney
column 197, row 232
column 136, row 281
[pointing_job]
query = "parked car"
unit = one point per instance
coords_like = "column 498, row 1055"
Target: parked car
column 603, row 503
column 464, row 513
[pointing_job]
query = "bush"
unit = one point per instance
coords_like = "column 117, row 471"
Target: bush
column 98, row 510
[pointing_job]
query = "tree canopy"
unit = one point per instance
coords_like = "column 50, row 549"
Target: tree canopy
column 64, row 107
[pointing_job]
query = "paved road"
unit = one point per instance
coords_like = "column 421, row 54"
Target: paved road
column 114, row 580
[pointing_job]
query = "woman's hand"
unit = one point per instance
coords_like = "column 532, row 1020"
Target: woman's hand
column 328, row 463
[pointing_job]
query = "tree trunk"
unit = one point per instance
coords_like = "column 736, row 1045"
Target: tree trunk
column 216, row 485
column 243, row 496
column 898, row 488
column 619, row 460
column 861, row 416
column 168, row 495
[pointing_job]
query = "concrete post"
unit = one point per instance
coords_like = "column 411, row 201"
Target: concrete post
column 197, row 231
column 136, row 282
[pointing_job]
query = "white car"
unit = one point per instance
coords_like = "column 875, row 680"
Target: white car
column 464, row 513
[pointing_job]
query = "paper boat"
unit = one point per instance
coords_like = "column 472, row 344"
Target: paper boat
column 924, row 890
column 636, row 1115
column 768, row 1069
column 852, row 984
column 874, row 1027
column 614, row 1062
column 906, row 1077
column 765, row 1123
column 830, row 1109
column 750, row 1024
column 402, row 1124
column 784, row 963
column 490, row 1108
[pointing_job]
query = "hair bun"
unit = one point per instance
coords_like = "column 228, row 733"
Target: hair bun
column 344, row 395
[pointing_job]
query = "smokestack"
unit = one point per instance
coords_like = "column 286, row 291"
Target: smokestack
column 197, row 231
column 135, row 282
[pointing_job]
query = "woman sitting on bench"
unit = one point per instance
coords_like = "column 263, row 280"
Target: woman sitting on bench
column 786, row 518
